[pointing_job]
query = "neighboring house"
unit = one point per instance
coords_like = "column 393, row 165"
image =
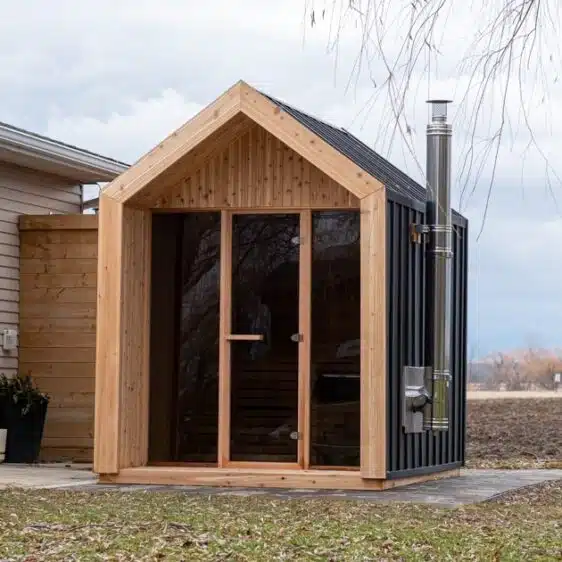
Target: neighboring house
column 38, row 176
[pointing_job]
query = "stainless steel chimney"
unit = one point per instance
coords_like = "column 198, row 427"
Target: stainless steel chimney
column 438, row 335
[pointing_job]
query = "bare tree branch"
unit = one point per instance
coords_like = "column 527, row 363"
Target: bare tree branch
column 502, row 72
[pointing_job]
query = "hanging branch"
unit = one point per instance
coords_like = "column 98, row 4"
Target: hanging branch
column 399, row 46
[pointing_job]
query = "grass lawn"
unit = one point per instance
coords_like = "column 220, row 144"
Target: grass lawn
column 514, row 433
column 43, row 525
column 524, row 525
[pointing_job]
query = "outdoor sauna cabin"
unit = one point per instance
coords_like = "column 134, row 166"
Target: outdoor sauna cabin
column 279, row 306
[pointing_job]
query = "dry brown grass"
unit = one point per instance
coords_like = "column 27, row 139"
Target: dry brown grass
column 515, row 433
column 47, row 525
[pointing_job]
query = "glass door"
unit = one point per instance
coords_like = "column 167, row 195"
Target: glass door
column 264, row 338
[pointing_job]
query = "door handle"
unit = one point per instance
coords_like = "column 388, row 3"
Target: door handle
column 245, row 337
column 297, row 338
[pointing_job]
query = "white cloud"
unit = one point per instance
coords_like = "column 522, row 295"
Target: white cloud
column 117, row 77
column 130, row 134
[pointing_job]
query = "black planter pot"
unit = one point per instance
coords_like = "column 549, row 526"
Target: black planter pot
column 3, row 407
column 25, row 432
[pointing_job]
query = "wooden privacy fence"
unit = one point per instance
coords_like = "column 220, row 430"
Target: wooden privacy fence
column 58, row 276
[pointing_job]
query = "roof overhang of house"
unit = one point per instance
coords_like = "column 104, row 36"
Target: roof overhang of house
column 241, row 99
column 37, row 152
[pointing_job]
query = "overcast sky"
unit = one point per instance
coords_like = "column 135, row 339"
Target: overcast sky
column 116, row 77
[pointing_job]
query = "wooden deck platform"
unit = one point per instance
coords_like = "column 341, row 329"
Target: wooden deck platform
column 261, row 478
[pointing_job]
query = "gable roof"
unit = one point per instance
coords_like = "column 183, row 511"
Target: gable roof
column 394, row 179
column 335, row 151
column 357, row 151
column 241, row 99
column 24, row 148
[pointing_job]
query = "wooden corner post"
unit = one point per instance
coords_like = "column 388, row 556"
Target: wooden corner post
column 122, row 337
column 373, row 335
column 108, row 328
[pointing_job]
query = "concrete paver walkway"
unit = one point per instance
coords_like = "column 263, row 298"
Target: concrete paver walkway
column 472, row 486
column 45, row 476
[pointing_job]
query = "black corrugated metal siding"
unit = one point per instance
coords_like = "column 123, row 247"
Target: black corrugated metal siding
column 409, row 454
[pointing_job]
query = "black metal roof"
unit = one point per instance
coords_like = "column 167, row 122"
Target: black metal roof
column 358, row 152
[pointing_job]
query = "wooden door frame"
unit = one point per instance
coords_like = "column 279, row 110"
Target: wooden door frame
column 225, row 327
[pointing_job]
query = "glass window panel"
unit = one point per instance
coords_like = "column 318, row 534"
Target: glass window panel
column 264, row 374
column 335, row 339
column 197, row 383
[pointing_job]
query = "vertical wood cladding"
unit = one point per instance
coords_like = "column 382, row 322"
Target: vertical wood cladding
column 255, row 170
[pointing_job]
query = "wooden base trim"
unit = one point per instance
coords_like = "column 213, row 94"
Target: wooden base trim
column 261, row 478
column 389, row 484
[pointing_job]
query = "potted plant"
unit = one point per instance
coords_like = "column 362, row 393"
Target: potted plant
column 25, row 409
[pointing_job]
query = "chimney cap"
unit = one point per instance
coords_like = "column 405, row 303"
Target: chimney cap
column 438, row 110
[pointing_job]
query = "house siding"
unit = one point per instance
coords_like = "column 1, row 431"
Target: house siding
column 24, row 192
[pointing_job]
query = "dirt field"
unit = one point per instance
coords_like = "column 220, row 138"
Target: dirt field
column 515, row 432
column 496, row 394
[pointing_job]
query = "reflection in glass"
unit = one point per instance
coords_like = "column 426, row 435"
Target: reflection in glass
column 197, row 385
column 335, row 339
column 264, row 374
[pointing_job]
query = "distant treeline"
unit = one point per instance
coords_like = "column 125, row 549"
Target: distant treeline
column 520, row 370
